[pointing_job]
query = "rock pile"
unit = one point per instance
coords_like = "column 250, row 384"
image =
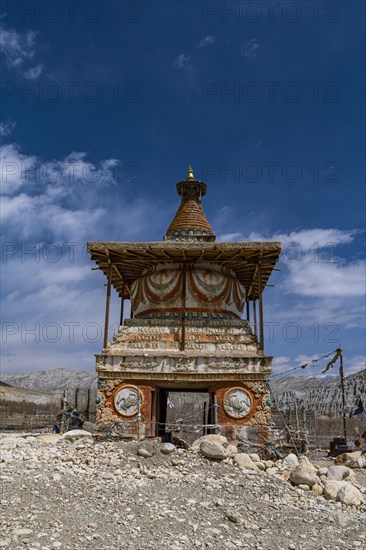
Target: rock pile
column 337, row 482
column 74, row 493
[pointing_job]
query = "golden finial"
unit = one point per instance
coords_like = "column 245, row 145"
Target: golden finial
column 190, row 174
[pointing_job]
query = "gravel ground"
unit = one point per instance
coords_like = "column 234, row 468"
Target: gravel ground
column 87, row 494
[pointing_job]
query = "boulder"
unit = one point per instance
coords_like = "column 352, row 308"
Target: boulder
column 349, row 495
column 317, row 489
column 234, row 518
column 352, row 460
column 322, row 471
column 144, row 453
column 76, row 435
column 168, row 448
column 244, row 462
column 231, row 451
column 219, row 439
column 290, row 461
column 212, row 450
column 331, row 488
column 272, row 471
column 339, row 473
column 304, row 473
column 255, row 457
column 339, row 518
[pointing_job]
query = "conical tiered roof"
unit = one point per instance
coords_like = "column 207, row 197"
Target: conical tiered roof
column 190, row 222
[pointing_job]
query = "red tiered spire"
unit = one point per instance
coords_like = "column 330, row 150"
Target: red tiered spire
column 190, row 222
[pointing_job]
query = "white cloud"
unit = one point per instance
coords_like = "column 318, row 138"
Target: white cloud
column 249, row 49
column 7, row 127
column 14, row 166
column 304, row 359
column 280, row 364
column 60, row 198
column 34, row 72
column 318, row 279
column 329, row 314
column 354, row 364
column 31, row 216
column 57, row 177
column 309, row 239
column 207, row 41
column 314, row 269
column 54, row 315
column 181, row 61
column 351, row 365
column 18, row 49
column 229, row 237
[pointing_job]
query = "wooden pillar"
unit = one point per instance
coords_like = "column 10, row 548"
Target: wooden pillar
column 76, row 398
column 204, row 427
column 153, row 412
column 341, row 374
column 122, row 307
column 138, row 413
column 107, row 306
column 248, row 310
column 255, row 318
column 87, row 408
column 216, row 416
column 261, row 324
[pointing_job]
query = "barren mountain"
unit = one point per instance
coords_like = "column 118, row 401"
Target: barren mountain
column 53, row 381
column 321, row 396
column 21, row 395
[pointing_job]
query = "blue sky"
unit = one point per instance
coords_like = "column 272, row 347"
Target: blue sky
column 106, row 103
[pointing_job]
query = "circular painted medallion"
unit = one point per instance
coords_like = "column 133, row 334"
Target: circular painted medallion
column 237, row 403
column 267, row 401
column 99, row 400
column 126, row 401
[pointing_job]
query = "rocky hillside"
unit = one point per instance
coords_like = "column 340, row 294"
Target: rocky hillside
column 319, row 395
column 21, row 395
column 53, row 381
column 33, row 400
column 315, row 394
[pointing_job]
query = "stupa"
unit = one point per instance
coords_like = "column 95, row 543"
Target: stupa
column 187, row 329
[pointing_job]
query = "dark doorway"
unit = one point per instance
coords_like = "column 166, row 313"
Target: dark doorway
column 183, row 413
